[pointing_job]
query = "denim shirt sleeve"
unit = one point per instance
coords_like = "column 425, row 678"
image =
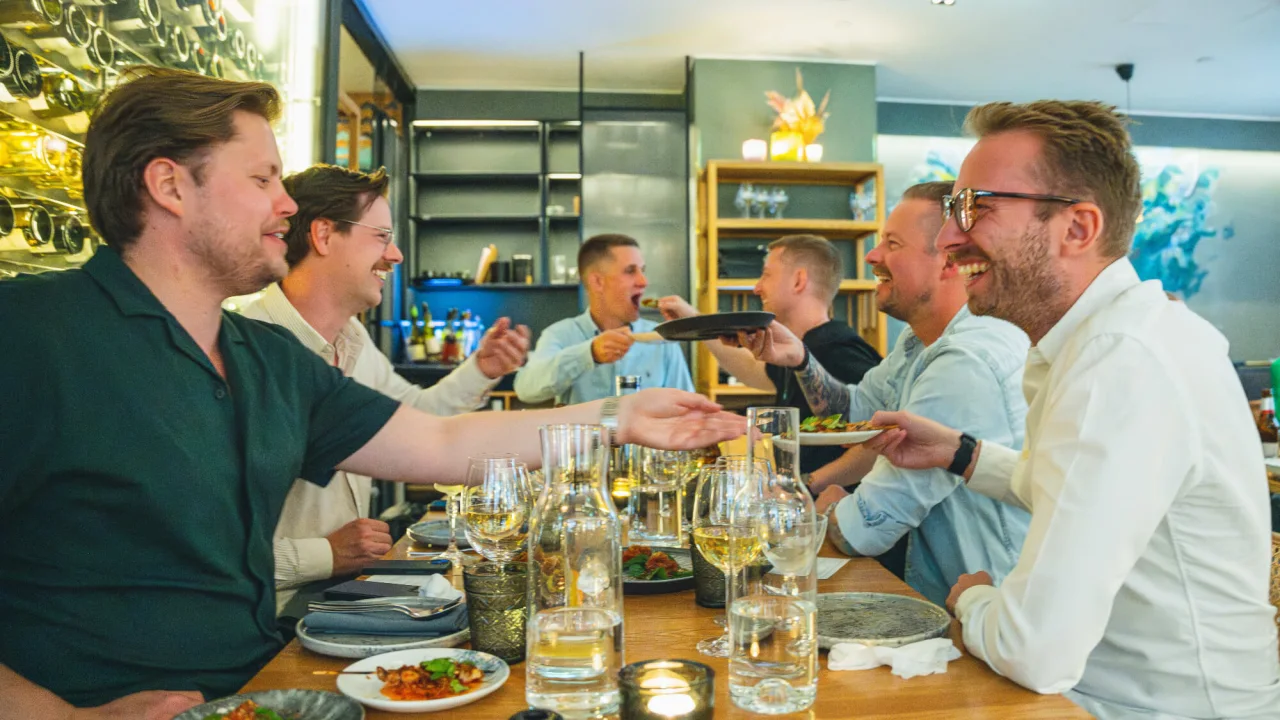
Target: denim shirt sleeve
column 872, row 394
column 957, row 389
column 558, row 360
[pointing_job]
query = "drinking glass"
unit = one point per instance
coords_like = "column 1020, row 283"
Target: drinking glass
column 497, row 507
column 574, row 656
column 654, row 506
column 724, row 544
column 780, row 200
column 744, row 198
column 452, row 496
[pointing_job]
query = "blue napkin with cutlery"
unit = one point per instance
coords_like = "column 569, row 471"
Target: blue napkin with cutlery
column 387, row 622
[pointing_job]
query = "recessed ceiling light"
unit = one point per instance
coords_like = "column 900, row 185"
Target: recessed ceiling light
column 944, row 2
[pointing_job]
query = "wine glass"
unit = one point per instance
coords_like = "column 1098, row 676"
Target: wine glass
column 496, row 506
column 721, row 539
column 744, row 198
column 779, row 201
column 452, row 495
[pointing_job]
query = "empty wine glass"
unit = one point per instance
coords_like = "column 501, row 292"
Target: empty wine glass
column 496, row 507
column 744, row 199
column 779, row 200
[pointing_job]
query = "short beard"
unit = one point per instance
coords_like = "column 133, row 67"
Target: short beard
column 237, row 270
column 1024, row 289
column 904, row 312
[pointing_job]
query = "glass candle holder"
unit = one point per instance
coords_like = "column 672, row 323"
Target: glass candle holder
column 664, row 689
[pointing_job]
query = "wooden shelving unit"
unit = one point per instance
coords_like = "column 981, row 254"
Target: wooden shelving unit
column 857, row 290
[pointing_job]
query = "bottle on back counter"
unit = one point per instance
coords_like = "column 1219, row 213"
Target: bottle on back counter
column 1268, row 429
column 416, row 349
column 450, row 351
column 429, row 337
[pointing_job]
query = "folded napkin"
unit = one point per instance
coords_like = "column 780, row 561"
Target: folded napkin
column 927, row 657
column 387, row 622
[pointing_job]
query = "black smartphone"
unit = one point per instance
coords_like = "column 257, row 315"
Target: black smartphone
column 361, row 589
column 407, row 567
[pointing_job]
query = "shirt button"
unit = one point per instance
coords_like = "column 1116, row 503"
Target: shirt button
column 219, row 393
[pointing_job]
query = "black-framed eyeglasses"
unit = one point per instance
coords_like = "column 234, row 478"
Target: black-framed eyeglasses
column 388, row 235
column 964, row 204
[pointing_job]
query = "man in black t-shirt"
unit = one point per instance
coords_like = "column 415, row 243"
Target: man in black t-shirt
column 801, row 279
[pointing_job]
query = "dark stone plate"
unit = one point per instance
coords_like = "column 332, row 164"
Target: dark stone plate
column 632, row 586
column 878, row 619
column 709, row 327
column 305, row 704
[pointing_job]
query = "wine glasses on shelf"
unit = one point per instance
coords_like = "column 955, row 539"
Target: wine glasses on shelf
column 496, row 506
column 745, row 198
column 778, row 200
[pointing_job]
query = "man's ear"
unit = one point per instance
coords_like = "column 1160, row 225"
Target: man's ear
column 321, row 236
column 164, row 181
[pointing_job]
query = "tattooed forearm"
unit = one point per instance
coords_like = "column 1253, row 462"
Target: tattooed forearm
column 837, row 538
column 825, row 394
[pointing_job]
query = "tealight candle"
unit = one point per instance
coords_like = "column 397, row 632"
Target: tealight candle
column 664, row 689
column 755, row 149
column 813, row 152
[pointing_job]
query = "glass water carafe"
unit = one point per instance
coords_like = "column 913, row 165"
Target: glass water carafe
column 575, row 647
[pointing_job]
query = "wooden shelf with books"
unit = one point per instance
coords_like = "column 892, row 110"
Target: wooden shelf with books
column 862, row 181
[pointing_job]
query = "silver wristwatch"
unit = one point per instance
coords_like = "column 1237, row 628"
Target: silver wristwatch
column 609, row 418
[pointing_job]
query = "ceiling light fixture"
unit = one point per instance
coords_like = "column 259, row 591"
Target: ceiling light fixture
column 944, row 2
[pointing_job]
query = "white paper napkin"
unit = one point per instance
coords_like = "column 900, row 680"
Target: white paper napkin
column 828, row 566
column 435, row 586
column 927, row 657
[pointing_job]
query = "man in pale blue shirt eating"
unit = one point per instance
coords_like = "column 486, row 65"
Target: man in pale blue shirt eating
column 577, row 358
column 947, row 364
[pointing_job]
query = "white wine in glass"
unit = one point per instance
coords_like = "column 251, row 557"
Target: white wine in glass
column 719, row 543
column 496, row 506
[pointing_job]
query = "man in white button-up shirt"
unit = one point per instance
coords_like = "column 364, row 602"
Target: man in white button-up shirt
column 340, row 253
column 1142, row 586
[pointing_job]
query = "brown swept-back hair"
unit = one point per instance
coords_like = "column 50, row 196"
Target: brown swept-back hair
column 157, row 113
column 1087, row 154
column 932, row 192
column 815, row 254
column 332, row 193
column 599, row 247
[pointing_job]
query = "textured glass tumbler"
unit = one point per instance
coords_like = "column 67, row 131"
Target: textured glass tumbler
column 708, row 581
column 497, row 601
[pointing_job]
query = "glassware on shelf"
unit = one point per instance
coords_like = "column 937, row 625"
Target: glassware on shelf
column 496, row 507
column 215, row 33
column 237, row 44
column 575, row 643
column 862, row 202
column 61, row 96
column 35, row 222
column 177, row 50
column 31, row 14
column 99, row 54
column 129, row 16
column 24, row 82
column 70, row 233
column 744, row 199
column 778, row 200
column 73, row 32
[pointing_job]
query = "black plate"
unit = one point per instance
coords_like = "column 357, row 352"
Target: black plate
column 710, row 327
column 633, row 586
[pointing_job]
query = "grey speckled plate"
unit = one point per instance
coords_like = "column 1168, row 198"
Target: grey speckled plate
column 436, row 533
column 304, row 704
column 878, row 619
column 363, row 646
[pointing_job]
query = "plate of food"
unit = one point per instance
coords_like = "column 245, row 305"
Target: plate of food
column 427, row 680
column 656, row 570
column 833, row 430
column 714, row 325
column 278, row 705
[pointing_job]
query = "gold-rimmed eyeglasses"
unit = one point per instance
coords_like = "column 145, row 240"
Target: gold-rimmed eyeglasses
column 388, row 236
column 964, row 204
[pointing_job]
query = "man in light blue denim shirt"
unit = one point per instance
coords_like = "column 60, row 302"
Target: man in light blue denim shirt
column 963, row 370
column 577, row 359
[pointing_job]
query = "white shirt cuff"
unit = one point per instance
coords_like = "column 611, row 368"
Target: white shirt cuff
column 302, row 560
column 973, row 599
column 993, row 474
column 473, row 378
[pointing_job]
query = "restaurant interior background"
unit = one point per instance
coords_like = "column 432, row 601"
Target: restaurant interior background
column 530, row 126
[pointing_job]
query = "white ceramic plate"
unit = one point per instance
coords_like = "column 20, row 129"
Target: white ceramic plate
column 367, row 689
column 844, row 438
column 363, row 646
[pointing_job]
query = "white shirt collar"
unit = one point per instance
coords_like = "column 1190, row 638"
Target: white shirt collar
column 283, row 313
column 1106, row 287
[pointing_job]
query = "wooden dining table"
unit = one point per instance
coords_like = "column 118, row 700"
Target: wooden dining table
column 670, row 626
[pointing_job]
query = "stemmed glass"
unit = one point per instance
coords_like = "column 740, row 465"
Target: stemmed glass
column 724, row 542
column 745, row 197
column 452, row 496
column 778, row 202
column 497, row 504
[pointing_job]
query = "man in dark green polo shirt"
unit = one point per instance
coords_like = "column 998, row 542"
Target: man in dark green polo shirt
column 148, row 440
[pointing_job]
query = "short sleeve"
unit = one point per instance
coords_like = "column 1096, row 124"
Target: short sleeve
column 344, row 416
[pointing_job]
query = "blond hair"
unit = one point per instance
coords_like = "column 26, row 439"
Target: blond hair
column 1087, row 154
column 815, row 254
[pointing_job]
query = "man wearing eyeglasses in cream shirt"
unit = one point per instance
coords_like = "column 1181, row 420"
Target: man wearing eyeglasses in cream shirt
column 341, row 249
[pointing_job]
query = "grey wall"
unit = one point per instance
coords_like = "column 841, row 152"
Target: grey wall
column 531, row 105
column 894, row 118
column 727, row 104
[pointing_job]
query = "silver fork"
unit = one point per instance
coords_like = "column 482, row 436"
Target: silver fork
column 417, row 613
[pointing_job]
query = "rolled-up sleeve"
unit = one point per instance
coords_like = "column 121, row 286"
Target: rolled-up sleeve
column 957, row 389
column 302, row 560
